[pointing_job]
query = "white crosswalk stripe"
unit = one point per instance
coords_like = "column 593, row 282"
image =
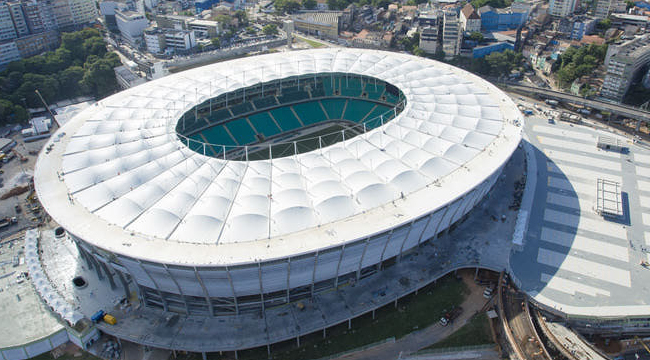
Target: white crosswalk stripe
column 574, row 146
column 585, row 244
column 585, row 223
column 584, row 267
column 571, row 287
column 570, row 201
column 577, row 135
column 562, row 156
column 580, row 174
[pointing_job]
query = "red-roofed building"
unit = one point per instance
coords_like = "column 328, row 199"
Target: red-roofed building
column 469, row 19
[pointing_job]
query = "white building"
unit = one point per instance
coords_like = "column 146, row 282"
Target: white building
column 624, row 61
column 470, row 21
column 131, row 26
column 451, row 35
column 562, row 8
column 159, row 41
column 180, row 40
column 18, row 18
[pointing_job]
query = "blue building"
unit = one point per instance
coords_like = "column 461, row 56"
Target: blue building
column 482, row 51
column 502, row 19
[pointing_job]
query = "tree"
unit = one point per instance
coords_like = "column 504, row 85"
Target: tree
column 69, row 80
column 629, row 4
column 418, row 52
column 286, row 6
column 216, row 42
column 476, row 36
column 270, row 29
column 604, row 24
column 242, row 17
column 309, row 4
column 251, row 30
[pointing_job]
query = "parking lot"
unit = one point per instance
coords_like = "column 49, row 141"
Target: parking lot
column 17, row 173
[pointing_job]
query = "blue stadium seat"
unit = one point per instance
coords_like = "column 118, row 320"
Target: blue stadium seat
column 218, row 135
column 241, row 131
column 219, row 116
column 351, row 86
column 357, row 110
column 285, row 118
column 241, row 108
column 334, row 108
column 310, row 113
column 264, row 124
column 265, row 102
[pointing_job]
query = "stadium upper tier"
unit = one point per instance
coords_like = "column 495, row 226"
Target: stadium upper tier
column 119, row 176
column 287, row 116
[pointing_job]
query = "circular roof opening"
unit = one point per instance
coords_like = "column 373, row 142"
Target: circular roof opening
column 289, row 116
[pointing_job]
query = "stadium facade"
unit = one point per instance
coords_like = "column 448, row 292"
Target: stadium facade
column 255, row 182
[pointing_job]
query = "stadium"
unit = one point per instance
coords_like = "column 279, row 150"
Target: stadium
column 256, row 182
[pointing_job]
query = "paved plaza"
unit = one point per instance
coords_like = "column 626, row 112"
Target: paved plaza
column 575, row 260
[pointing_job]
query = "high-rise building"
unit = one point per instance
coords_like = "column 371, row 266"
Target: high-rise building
column 83, row 11
column 7, row 29
column 62, row 13
column 18, row 18
column 624, row 63
column 606, row 7
column 561, row 8
column 451, row 34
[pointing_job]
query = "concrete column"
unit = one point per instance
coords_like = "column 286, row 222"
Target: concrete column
column 204, row 356
column 324, row 333
column 349, row 323
column 298, row 340
column 373, row 314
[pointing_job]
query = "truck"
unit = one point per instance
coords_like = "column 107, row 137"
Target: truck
column 99, row 315
column 552, row 102
column 528, row 112
column 110, row 319
column 584, row 111
column 450, row 316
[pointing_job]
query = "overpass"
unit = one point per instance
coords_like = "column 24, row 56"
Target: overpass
column 618, row 109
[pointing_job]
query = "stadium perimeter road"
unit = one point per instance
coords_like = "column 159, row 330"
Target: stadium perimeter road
column 574, row 261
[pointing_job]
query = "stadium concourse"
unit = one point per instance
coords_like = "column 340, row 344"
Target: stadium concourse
column 246, row 187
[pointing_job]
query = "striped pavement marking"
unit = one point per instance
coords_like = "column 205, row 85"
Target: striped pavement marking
column 582, row 243
column 575, row 146
column 560, row 156
column 643, row 159
column 599, row 226
column 571, row 287
column 642, row 171
column 645, row 217
column 578, row 174
column 553, row 131
column 646, row 235
column 569, row 187
column 584, row 267
column 570, row 201
column 643, row 185
column 645, row 201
